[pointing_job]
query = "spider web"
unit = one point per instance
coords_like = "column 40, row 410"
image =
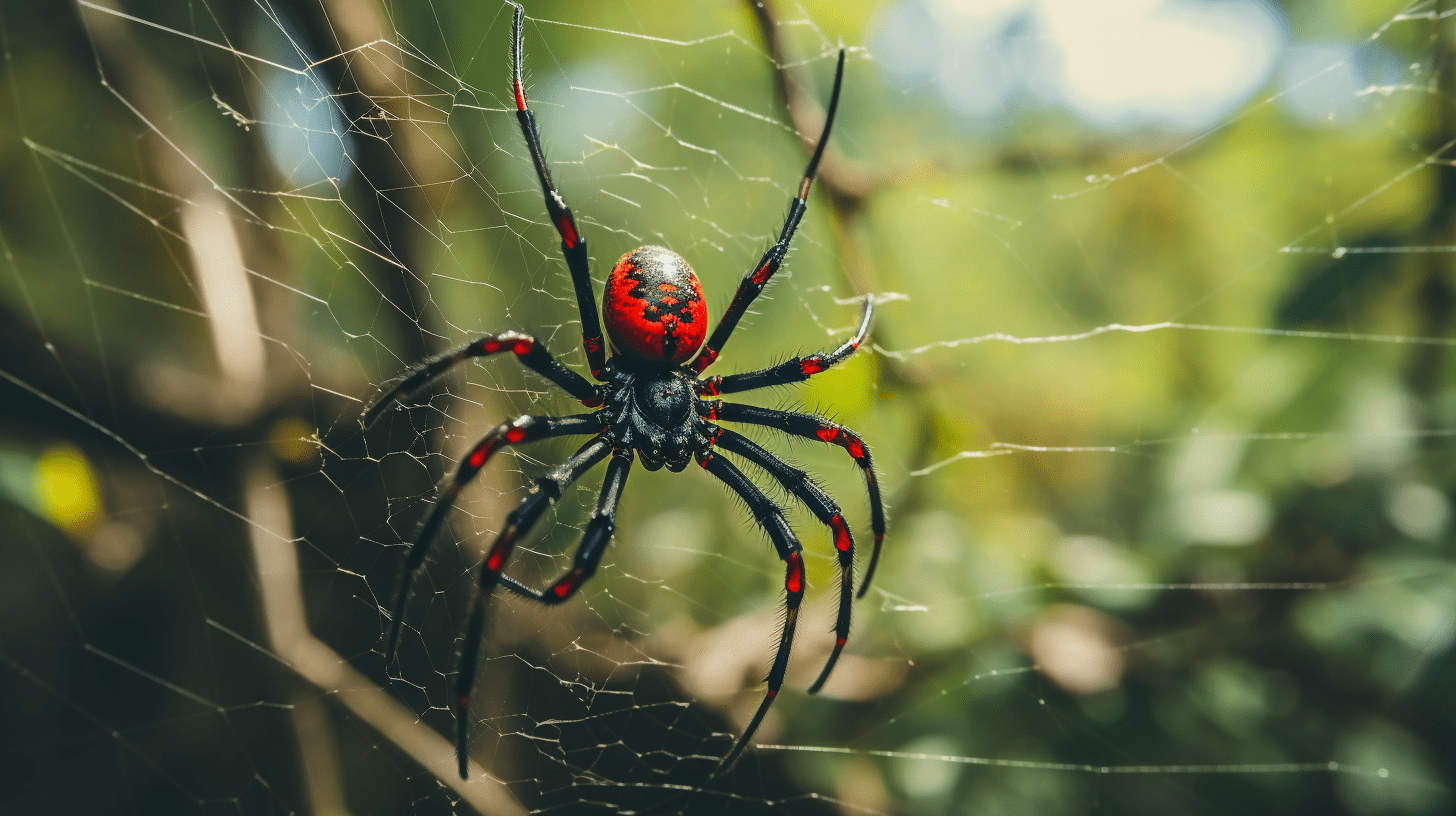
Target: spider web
column 1160, row 395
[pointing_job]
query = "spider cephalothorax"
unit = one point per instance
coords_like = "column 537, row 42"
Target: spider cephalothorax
column 649, row 405
column 652, row 413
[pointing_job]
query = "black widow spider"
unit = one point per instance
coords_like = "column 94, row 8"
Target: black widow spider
column 652, row 405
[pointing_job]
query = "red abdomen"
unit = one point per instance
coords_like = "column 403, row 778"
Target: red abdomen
column 654, row 308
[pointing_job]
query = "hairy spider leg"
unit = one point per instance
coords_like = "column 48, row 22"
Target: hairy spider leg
column 823, row 506
column 573, row 245
column 542, row 494
column 794, row 369
column 593, row 541
column 755, row 280
column 771, row 518
column 810, row 426
column 524, row 429
column 527, row 349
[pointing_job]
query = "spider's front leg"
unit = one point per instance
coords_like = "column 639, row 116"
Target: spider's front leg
column 524, row 429
column 756, row 279
column 573, row 245
column 771, row 518
column 542, row 494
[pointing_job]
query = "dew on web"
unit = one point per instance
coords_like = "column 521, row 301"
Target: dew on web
column 1159, row 394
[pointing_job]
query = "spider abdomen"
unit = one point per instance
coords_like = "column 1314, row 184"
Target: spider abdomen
column 653, row 307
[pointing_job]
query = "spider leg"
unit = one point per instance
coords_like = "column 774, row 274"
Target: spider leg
column 573, row 246
column 531, row 352
column 542, row 494
column 826, row 510
column 593, row 542
column 771, row 518
column 810, row 426
column 794, row 369
column 524, row 429
column 754, row 281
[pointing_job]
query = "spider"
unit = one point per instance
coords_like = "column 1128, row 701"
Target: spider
column 653, row 404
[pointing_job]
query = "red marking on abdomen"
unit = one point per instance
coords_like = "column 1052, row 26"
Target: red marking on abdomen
column 523, row 346
column 515, row 435
column 462, row 702
column 496, row 559
column 653, row 306
column 491, row 346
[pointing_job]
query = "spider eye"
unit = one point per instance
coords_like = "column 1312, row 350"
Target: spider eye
column 653, row 307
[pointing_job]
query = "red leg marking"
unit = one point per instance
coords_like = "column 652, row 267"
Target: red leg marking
column 567, row 228
column 761, row 276
column 568, row 584
column 705, row 359
column 841, row 533
column 502, row 549
column 481, row 453
column 794, row 580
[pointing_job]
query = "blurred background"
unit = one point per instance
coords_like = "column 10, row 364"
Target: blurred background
column 1160, row 393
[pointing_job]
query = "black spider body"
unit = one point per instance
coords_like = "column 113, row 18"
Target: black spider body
column 650, row 404
column 652, row 413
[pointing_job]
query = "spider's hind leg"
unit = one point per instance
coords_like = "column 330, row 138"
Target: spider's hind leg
column 810, row 426
column 827, row 511
column 524, row 429
column 542, row 494
column 593, row 542
column 771, row 518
